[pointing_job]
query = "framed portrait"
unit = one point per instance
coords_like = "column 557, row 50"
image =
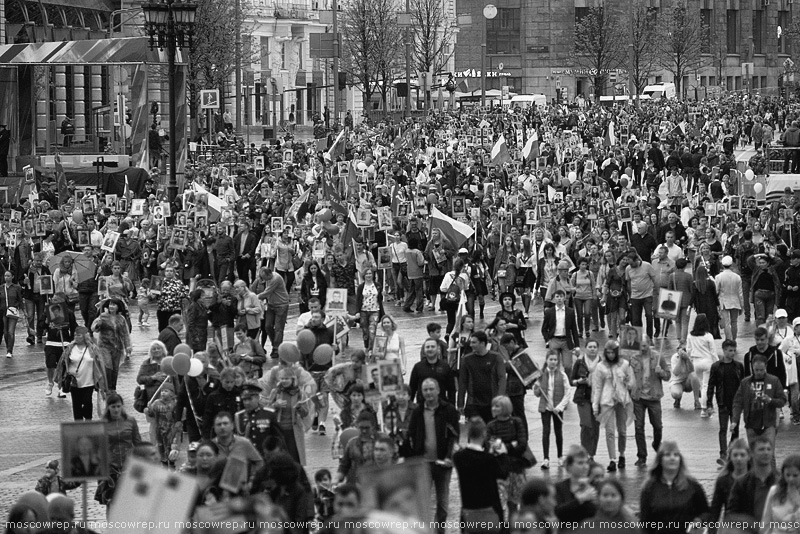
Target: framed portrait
column 46, row 284
column 201, row 218
column 84, row 451
column 384, row 258
column 40, row 228
column 234, row 475
column 178, row 239
column 400, row 489
column 277, row 225
column 530, row 217
column 558, row 197
column 122, row 205
column 89, row 205
column 384, row 218
column 155, row 284
column 110, row 242
column 710, row 209
column 669, row 302
column 336, row 301
column 318, row 250
column 589, row 166
column 27, row 226
column 166, row 209
column 84, row 238
column 258, row 163
column 202, row 201
column 379, row 346
column 372, row 378
column 458, row 206
column 403, row 209
column 525, row 369
column 630, row 340
column 137, row 206
column 158, row 214
column 111, row 203
column 180, row 219
column 57, row 314
column 625, row 214
column 16, row 219
column 288, row 156
column 735, row 203
column 475, row 214
column 591, row 213
column 544, row 211
column 363, row 217
column 162, row 233
column 576, row 189
column 391, row 377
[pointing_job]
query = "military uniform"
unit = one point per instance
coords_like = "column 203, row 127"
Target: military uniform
column 257, row 425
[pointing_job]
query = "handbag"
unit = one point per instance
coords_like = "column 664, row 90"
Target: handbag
column 297, row 262
column 11, row 311
column 68, row 380
column 140, row 399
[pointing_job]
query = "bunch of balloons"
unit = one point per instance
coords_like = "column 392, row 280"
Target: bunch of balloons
column 181, row 363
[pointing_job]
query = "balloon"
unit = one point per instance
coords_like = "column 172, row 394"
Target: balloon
column 624, row 181
column 182, row 363
column 166, row 366
column 369, row 160
column 323, row 354
column 361, row 166
column 432, row 198
column 545, row 181
column 325, row 215
column 758, row 188
column 572, row 176
column 77, row 217
column 195, row 367
column 346, row 435
column 565, row 182
column 288, row 352
column 332, row 229
column 749, row 174
column 306, row 341
column 449, row 150
column 183, row 348
column 628, row 171
column 371, row 169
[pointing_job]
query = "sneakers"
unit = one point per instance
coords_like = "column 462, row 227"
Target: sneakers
column 315, row 424
column 697, row 406
column 561, row 462
column 780, row 413
column 145, row 324
column 621, row 463
column 641, row 462
column 321, row 429
column 704, row 413
column 546, row 464
column 31, row 340
column 612, row 467
column 721, row 462
column 796, row 420
column 61, row 394
column 9, row 355
column 49, row 389
column 710, row 411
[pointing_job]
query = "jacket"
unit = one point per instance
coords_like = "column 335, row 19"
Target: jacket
column 445, row 420
column 729, row 290
column 743, row 401
column 477, row 371
column 558, row 398
column 439, row 371
column 611, row 384
column 658, row 375
column 716, row 386
column 254, row 313
column 570, row 326
column 770, row 272
column 791, row 137
column 170, row 338
column 249, row 245
column 360, row 298
column 220, row 400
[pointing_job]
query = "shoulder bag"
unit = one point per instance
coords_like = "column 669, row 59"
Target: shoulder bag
column 11, row 311
column 68, row 380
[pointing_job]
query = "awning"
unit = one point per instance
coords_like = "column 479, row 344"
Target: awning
column 129, row 50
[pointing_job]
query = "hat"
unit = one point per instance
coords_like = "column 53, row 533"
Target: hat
column 781, row 313
column 126, row 232
column 727, row 261
column 796, row 321
column 52, row 464
column 462, row 250
column 252, row 387
column 193, row 446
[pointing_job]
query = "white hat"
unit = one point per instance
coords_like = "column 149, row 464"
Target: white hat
column 796, row 321
column 462, row 250
column 781, row 313
column 727, row 261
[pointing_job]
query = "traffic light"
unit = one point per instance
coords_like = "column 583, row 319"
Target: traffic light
column 342, row 81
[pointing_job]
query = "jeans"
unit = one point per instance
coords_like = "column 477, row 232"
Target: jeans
column 34, row 311
column 111, row 378
column 450, row 308
column 518, row 409
column 369, row 324
column 9, row 330
column 275, row 324
column 225, row 271
column 555, row 417
column 725, row 417
column 730, row 320
column 764, row 304
column 770, row 432
column 415, row 295
column 82, row 403
column 441, row 484
column 400, row 280
column 88, row 305
column 792, row 156
column 682, row 324
column 637, row 306
column 653, row 409
column 746, row 292
column 244, row 267
column 590, row 428
column 616, row 428
column 560, row 347
column 583, row 308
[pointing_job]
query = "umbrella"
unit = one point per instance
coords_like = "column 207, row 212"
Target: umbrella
column 83, row 264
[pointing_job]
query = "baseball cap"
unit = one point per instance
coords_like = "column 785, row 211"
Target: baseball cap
column 462, row 250
column 781, row 313
column 796, row 321
column 727, row 261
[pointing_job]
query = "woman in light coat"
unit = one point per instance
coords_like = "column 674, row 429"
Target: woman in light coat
column 612, row 381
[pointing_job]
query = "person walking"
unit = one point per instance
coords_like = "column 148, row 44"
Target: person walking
column 703, row 353
column 731, row 297
column 560, row 331
column 277, row 310
column 649, row 370
column 581, row 380
column 552, row 390
column 11, row 302
column 482, row 377
column 641, row 280
column 723, row 382
column 82, row 360
column 757, row 400
column 612, row 381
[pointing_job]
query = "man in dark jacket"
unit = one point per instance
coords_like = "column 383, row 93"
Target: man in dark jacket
column 437, row 449
column 433, row 366
column 170, row 336
column 322, row 335
column 749, row 493
column 560, row 330
column 482, row 377
column 757, row 400
column 724, row 379
column 791, row 139
column 515, row 388
column 656, row 156
column 205, row 262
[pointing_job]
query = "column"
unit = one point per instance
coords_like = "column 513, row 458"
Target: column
column 79, row 95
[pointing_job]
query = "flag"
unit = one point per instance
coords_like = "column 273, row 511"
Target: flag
column 329, row 192
column 294, row 209
column 680, row 129
column 215, row 204
column 351, row 230
column 337, row 207
column 61, row 181
column 531, row 149
column 610, row 138
column 337, row 148
column 500, row 153
column 144, row 161
column 457, row 232
column 463, row 86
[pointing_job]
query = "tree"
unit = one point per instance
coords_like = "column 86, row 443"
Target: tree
column 388, row 49
column 433, row 35
column 643, row 50
column 212, row 59
column 599, row 45
column 682, row 40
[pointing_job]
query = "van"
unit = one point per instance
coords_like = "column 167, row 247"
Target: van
column 660, row 90
column 540, row 101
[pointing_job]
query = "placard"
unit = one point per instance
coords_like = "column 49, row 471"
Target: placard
column 530, row 217
column 46, row 284
column 137, row 206
column 277, row 225
column 384, row 258
column 384, row 218
column 84, row 451
column 122, row 205
column 110, row 242
column 336, row 301
column 525, row 369
column 630, row 341
column 669, row 303
column 458, row 207
column 391, row 377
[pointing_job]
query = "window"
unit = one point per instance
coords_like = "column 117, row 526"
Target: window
column 712, row 81
column 4, row 195
column 732, row 25
column 580, row 14
column 785, row 22
column 758, row 31
column 300, row 55
column 706, row 22
column 503, row 32
column 283, row 55
column 69, row 86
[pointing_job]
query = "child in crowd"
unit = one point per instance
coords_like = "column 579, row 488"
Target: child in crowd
column 52, row 482
column 162, row 408
column 143, row 300
column 323, row 495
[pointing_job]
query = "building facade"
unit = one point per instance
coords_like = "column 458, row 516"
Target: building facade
column 530, row 45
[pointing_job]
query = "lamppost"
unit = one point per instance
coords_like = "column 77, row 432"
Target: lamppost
column 170, row 24
column 489, row 12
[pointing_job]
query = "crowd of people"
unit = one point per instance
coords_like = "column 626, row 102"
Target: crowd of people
column 623, row 226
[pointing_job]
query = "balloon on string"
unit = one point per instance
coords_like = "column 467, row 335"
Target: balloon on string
column 371, row 169
column 325, row 215
column 758, row 188
column 545, row 181
column 195, row 367
column 449, row 150
column 432, row 198
column 624, row 181
column 289, row 353
column 306, row 341
column 346, row 435
column 323, row 354
column 572, row 176
column 369, row 160
column 54, row 214
column 332, row 229
column 166, row 366
column 628, row 171
column 181, row 363
column 182, row 348
column 77, row 217
column 749, row 174
column 361, row 166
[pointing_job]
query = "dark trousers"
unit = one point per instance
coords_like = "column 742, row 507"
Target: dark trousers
column 518, row 409
column 88, row 303
column 82, row 403
column 473, row 410
column 3, row 164
column 792, row 156
column 34, row 310
column 243, row 267
column 725, row 417
column 639, row 305
column 653, row 409
column 590, row 428
column 111, row 378
column 746, row 281
column 225, row 271
column 547, row 417
column 275, row 324
column 441, row 484
column 415, row 295
column 450, row 308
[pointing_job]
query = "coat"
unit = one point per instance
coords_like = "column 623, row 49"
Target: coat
column 114, row 340
column 197, row 326
column 611, row 385
column 445, row 420
column 301, row 421
column 745, row 396
column 570, row 327
column 100, row 383
column 170, row 338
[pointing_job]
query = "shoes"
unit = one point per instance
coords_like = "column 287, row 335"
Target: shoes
column 546, row 464
column 655, row 446
column 526, row 316
column 621, row 463
column 481, row 316
column 322, row 429
column 710, row 411
column 39, row 341
column 676, row 404
column 747, row 319
column 145, row 324
column 407, row 310
column 315, row 424
column 796, row 420
column 704, row 413
column 31, row 340
column 780, row 413
column 429, row 307
column 49, row 389
column 61, row 394
column 697, row 406
column 641, row 462
column 9, row 355
column 561, row 462
column 721, row 462
column 612, row 467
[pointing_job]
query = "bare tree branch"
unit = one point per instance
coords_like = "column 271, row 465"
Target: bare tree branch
column 643, row 52
column 681, row 41
column 432, row 33
column 599, row 45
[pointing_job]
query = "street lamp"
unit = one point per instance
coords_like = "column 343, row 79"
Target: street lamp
column 170, row 24
column 489, row 12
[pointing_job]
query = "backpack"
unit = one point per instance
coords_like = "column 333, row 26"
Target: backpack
column 453, row 293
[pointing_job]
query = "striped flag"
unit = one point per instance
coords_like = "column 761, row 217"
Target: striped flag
column 61, row 181
column 294, row 209
column 457, row 232
column 351, row 230
column 500, row 153
column 337, row 148
column 531, row 149
column 610, row 138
